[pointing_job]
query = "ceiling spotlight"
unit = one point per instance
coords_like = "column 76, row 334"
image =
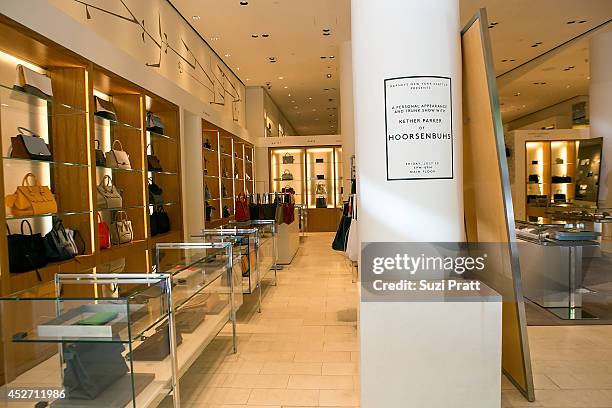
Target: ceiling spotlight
column 295, row 107
column 323, row 57
column 571, row 22
column 215, row 38
column 237, row 68
column 281, row 78
column 329, row 75
column 196, row 17
column 254, row 35
column 285, row 87
column 292, row 101
column 244, row 3
column 228, row 55
column 326, row 89
column 517, row 94
column 582, row 21
column 247, row 79
column 288, row 94
column 310, row 98
column 265, row 35
column 326, row 30
column 326, row 34
column 588, row 77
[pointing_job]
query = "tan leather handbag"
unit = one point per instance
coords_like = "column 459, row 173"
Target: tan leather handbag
column 34, row 83
column 108, row 194
column 121, row 229
column 117, row 157
column 31, row 198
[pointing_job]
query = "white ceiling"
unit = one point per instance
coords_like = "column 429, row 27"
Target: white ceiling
column 296, row 40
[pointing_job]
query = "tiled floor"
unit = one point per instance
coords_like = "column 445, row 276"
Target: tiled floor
column 302, row 351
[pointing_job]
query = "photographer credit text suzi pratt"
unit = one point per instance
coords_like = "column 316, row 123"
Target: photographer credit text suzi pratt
column 421, row 265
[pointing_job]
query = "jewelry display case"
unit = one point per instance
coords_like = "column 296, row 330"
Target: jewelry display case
column 77, row 342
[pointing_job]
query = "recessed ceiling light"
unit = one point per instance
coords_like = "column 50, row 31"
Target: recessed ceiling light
column 281, row 78
column 237, row 68
column 254, row 35
column 244, row 3
column 316, row 119
column 265, row 35
column 247, row 79
column 295, row 107
column 285, row 87
column 517, row 94
column 329, row 75
column 567, row 86
column 571, row 22
column 323, row 57
column 196, row 17
column 292, row 101
column 310, row 98
column 332, row 56
column 314, row 109
column 326, row 34
column 288, row 94
column 582, row 21
column 215, row 38
column 326, row 30
column 228, row 55
column 588, row 77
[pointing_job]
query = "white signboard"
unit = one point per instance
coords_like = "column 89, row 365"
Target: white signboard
column 419, row 128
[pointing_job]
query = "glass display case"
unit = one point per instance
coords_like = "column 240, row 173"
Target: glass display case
column 67, row 344
column 246, row 259
column 267, row 253
column 287, row 172
column 204, row 294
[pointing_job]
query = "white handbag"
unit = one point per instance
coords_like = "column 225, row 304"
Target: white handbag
column 121, row 229
column 34, row 83
column 352, row 242
column 108, row 194
column 118, row 158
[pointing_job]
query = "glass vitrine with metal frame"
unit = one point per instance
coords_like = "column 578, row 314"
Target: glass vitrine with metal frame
column 68, row 344
column 203, row 293
column 268, row 245
column 246, row 256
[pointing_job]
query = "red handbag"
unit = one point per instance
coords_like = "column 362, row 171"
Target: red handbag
column 289, row 212
column 103, row 233
column 242, row 208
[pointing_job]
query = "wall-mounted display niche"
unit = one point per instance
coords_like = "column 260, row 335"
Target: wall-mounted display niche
column 109, row 183
column 228, row 170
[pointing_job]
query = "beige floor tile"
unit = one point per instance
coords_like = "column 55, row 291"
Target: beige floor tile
column 256, row 381
column 220, row 396
column 321, row 382
column 340, row 369
column 339, row 398
column 292, row 368
column 284, row 397
column 322, row 356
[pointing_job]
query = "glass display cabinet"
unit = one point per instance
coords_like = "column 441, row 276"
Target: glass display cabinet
column 204, row 294
column 246, row 255
column 267, row 253
column 66, row 344
column 287, row 172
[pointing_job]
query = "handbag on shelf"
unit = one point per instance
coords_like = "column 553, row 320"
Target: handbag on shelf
column 121, row 229
column 205, row 166
column 321, row 189
column 160, row 221
column 103, row 233
column 319, row 161
column 242, row 208
column 320, row 176
column 209, row 210
column 153, row 162
column 207, row 194
column 155, row 194
column 59, row 245
column 91, row 368
column 29, row 145
column 118, row 158
column 157, row 346
column 154, row 123
column 207, row 145
column 26, row 252
column 78, row 240
column 534, row 178
column 287, row 175
column 33, row 83
column 226, row 211
column 223, row 191
column 288, row 159
column 289, row 212
column 321, row 202
column 288, row 189
column 104, row 109
column 31, row 199
column 236, row 172
column 100, row 159
column 108, row 194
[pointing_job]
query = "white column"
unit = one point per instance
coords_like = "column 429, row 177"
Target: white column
column 347, row 126
column 600, row 107
column 415, row 354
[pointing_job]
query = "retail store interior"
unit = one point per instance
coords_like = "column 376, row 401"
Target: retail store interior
column 183, row 182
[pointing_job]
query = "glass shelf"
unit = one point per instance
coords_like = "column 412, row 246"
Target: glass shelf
column 215, row 177
column 280, row 180
column 57, row 214
column 117, row 123
column 18, row 95
column 52, row 163
column 160, row 136
column 169, row 203
column 120, row 169
column 130, row 207
column 226, row 154
column 167, row 173
column 227, row 178
column 209, row 150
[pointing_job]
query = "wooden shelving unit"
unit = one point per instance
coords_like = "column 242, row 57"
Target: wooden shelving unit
column 67, row 122
column 228, row 171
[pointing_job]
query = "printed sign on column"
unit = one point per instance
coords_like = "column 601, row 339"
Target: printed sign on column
column 418, row 116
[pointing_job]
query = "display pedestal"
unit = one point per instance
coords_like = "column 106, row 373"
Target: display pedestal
column 432, row 354
column 288, row 240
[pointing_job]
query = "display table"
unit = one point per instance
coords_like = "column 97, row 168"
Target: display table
column 432, row 354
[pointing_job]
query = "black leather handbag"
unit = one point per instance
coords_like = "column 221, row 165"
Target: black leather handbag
column 321, row 202
column 209, row 210
column 155, row 194
column 26, row 251
column 59, row 245
column 154, row 123
column 100, row 158
column 160, row 222
column 91, row 368
column 341, row 238
column 153, row 162
column 28, row 145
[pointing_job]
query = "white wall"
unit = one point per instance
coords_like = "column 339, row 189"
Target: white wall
column 276, row 116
